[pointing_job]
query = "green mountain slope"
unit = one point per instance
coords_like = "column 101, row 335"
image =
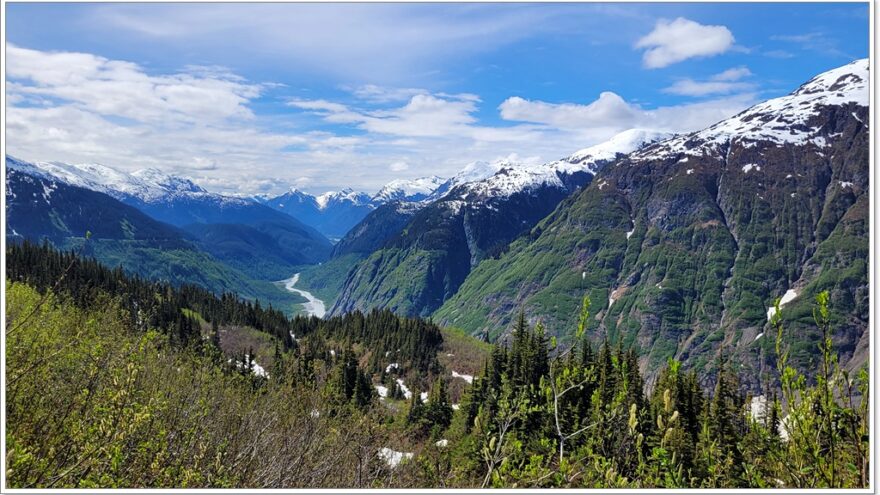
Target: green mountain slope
column 684, row 246
column 41, row 208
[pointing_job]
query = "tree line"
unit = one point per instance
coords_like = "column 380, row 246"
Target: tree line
column 112, row 381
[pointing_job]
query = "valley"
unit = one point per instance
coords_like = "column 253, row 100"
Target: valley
column 668, row 295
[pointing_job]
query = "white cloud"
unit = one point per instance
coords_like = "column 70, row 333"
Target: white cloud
column 79, row 107
column 380, row 94
column 733, row 74
column 689, row 87
column 674, row 41
column 436, row 115
column 726, row 82
column 124, row 89
column 610, row 114
column 609, row 110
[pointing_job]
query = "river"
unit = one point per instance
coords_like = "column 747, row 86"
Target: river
column 314, row 306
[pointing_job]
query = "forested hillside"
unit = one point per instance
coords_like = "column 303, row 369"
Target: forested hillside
column 40, row 207
column 118, row 381
column 685, row 244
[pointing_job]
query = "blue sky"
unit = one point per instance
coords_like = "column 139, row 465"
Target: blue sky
column 258, row 98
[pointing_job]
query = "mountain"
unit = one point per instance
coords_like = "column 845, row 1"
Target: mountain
column 207, row 216
column 39, row 206
column 334, row 213
column 331, row 213
column 684, row 245
column 377, row 228
column 487, row 206
column 407, row 190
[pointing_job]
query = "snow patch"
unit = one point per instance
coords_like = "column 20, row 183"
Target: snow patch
column 392, row 366
column 788, row 297
column 407, row 393
column 621, row 144
column 442, row 443
column 393, row 457
column 467, row 378
column 749, row 166
column 757, row 407
column 382, row 390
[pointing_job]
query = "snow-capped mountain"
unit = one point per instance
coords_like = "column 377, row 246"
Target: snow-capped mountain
column 345, row 197
column 787, row 119
column 147, row 185
column 231, row 229
column 408, row 189
column 588, row 159
column 691, row 240
column 503, row 178
column 180, row 202
column 332, row 213
column 474, row 216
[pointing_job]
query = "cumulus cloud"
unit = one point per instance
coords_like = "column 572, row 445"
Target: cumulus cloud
column 398, row 166
column 680, row 39
column 609, row 110
column 124, row 89
column 610, row 114
column 726, row 82
column 422, row 116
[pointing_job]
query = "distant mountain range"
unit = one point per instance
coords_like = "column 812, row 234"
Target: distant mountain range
column 335, row 213
column 224, row 226
column 41, row 207
column 682, row 242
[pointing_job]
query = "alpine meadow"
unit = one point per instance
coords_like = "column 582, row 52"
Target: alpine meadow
column 438, row 246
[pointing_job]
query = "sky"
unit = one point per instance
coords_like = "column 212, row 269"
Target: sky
column 258, row 98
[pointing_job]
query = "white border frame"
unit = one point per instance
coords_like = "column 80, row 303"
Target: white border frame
column 872, row 289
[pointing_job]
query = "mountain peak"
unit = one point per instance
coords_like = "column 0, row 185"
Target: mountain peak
column 147, row 185
column 782, row 120
column 849, row 82
column 167, row 182
column 408, row 189
column 347, row 195
column 622, row 143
